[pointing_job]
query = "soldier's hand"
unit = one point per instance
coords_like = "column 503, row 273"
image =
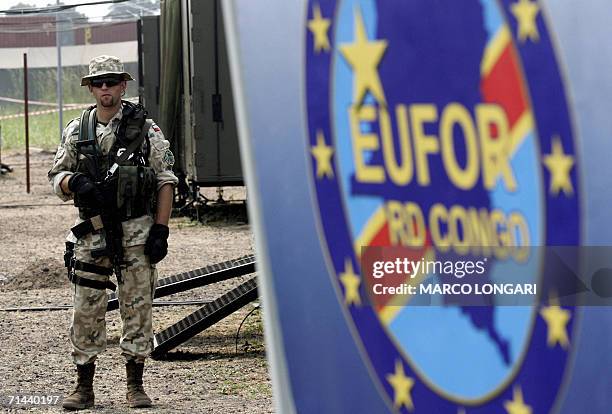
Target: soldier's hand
column 157, row 243
column 86, row 189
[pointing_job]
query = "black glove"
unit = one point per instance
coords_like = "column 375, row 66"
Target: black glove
column 86, row 190
column 157, row 243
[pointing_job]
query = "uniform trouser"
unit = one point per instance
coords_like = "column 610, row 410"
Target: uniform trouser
column 88, row 328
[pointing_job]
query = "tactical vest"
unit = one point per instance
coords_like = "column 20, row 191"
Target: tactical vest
column 130, row 190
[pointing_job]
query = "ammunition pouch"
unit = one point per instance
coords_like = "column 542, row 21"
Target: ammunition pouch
column 89, row 225
column 136, row 188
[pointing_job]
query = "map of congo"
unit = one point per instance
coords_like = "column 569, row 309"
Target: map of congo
column 444, row 128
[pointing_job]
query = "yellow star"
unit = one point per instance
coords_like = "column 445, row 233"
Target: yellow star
column 319, row 26
column 517, row 405
column 323, row 153
column 402, row 385
column 559, row 166
column 364, row 57
column 526, row 12
column 351, row 282
column 556, row 319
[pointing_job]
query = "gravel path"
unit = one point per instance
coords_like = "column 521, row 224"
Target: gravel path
column 205, row 374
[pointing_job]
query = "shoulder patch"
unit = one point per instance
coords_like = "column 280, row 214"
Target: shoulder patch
column 168, row 158
column 60, row 152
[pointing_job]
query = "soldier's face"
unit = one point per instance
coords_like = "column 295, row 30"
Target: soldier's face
column 107, row 91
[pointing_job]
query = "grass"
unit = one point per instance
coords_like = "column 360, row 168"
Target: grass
column 44, row 129
column 9, row 108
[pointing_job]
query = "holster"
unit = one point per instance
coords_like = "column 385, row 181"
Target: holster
column 72, row 265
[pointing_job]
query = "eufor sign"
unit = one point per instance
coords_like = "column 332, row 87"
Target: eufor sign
column 444, row 127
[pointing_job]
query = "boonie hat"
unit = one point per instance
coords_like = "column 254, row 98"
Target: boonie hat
column 105, row 65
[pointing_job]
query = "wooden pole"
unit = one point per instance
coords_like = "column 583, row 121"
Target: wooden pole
column 60, row 96
column 27, row 127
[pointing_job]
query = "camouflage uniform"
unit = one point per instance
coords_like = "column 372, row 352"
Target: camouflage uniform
column 88, row 328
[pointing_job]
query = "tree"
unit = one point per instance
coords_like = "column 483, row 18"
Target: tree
column 22, row 6
column 66, row 14
column 132, row 9
column 70, row 13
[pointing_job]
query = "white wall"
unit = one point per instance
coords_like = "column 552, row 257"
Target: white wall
column 46, row 57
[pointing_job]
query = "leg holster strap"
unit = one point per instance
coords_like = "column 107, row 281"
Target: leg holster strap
column 91, row 283
column 91, row 268
column 73, row 265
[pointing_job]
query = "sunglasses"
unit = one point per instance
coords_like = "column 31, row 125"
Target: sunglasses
column 110, row 82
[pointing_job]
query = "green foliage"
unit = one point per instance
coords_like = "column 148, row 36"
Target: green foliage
column 42, row 84
column 44, row 130
column 9, row 108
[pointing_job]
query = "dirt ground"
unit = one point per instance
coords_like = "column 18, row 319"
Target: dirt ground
column 205, row 374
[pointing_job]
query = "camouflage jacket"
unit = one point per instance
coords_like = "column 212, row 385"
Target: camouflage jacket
column 135, row 231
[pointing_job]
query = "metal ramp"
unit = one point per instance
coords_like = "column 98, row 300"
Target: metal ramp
column 197, row 278
column 204, row 317
column 211, row 312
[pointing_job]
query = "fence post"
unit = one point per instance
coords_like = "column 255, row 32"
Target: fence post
column 59, row 86
column 27, row 127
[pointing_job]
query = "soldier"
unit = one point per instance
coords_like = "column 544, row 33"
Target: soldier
column 117, row 166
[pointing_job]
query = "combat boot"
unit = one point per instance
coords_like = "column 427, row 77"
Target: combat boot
column 136, row 396
column 83, row 396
